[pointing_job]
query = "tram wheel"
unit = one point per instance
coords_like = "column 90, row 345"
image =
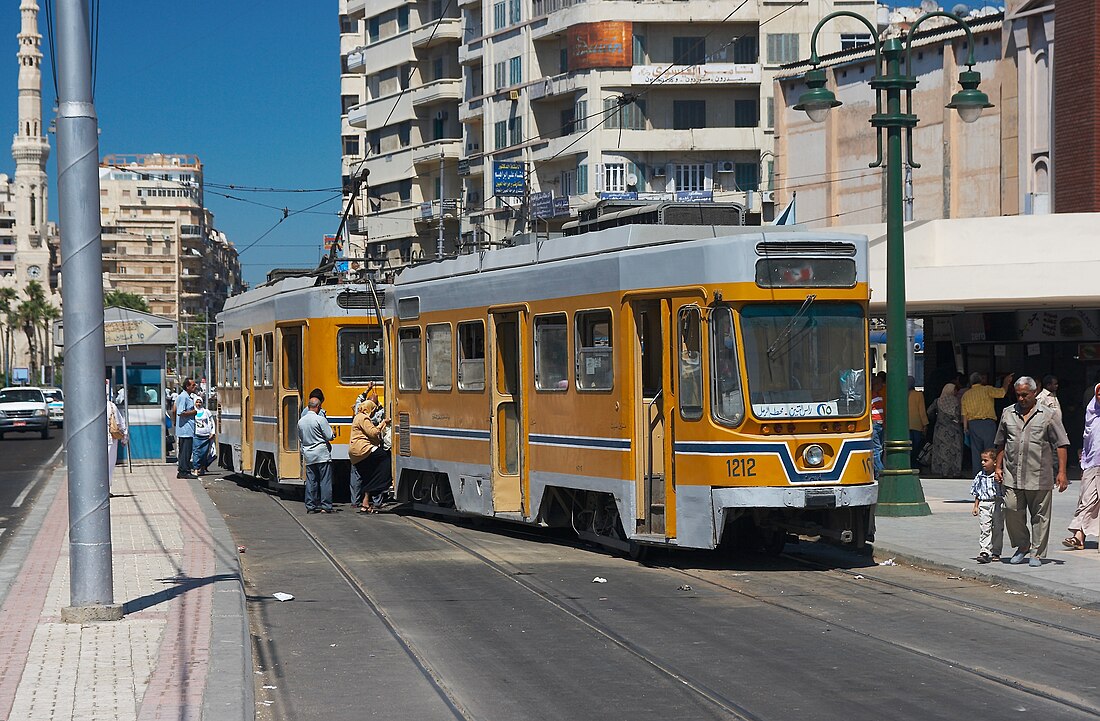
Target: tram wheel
column 773, row 542
column 639, row 552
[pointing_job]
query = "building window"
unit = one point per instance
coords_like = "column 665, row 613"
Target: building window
column 402, row 19
column 374, row 27
column 437, row 68
column 745, row 113
column 691, row 176
column 747, row 176
column 746, row 49
column 439, row 361
column 347, row 102
column 782, row 48
column 614, row 177
column 499, row 74
column 568, row 183
column 593, row 343
column 499, row 15
column 347, row 25
column 563, row 60
column 639, row 49
column 568, row 121
column 630, row 116
column 580, row 115
column 551, row 353
column 689, row 50
column 515, row 13
column 771, row 112
column 404, row 190
column 688, row 114
column 515, row 70
column 471, row 356
column 374, row 139
column 408, row 359
column 582, row 179
column 515, row 131
column 404, row 131
column 351, row 145
column 437, row 9
column 854, row 40
column 500, row 134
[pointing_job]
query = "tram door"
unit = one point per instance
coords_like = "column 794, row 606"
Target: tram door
column 290, row 398
column 507, row 410
column 247, row 403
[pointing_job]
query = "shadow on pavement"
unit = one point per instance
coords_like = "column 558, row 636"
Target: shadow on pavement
column 183, row 584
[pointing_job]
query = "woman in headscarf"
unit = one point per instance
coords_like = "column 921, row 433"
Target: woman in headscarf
column 367, row 452
column 1086, row 520
column 947, row 438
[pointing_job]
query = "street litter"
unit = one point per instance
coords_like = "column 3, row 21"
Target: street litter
column 954, row 578
column 857, row 576
column 332, row 645
column 1015, row 593
column 599, row 579
column 271, row 688
column 888, row 562
column 684, row 587
column 280, row 596
column 241, row 549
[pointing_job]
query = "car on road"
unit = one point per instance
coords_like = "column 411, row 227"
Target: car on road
column 24, row 410
column 55, row 401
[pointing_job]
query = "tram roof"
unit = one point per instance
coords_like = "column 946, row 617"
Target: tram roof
column 298, row 297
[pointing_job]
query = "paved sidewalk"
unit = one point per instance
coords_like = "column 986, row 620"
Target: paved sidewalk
column 182, row 651
column 948, row 540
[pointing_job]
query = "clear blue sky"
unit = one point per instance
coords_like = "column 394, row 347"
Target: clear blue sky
column 252, row 89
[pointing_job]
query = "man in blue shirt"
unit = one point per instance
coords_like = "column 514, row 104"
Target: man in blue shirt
column 315, row 437
column 185, row 429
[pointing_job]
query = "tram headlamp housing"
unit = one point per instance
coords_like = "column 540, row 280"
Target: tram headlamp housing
column 813, row 455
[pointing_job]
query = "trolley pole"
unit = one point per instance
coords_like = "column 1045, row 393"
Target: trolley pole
column 91, row 594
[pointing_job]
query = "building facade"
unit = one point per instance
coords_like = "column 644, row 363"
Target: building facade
column 472, row 117
column 159, row 241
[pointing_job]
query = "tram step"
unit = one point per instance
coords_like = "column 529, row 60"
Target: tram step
column 657, row 509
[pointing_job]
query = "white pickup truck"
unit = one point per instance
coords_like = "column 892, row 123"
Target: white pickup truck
column 24, row 410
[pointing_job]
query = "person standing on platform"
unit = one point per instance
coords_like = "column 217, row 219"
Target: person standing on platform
column 987, row 507
column 315, row 437
column 947, row 438
column 185, row 429
column 918, row 420
column 1086, row 520
column 878, row 419
column 204, row 432
column 1029, row 437
column 116, row 434
column 979, row 415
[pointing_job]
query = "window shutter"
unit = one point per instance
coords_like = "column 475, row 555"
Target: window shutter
column 639, row 170
column 582, row 180
column 599, row 177
column 708, row 176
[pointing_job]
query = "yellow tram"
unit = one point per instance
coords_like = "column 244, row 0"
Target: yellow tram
column 646, row 385
column 276, row 343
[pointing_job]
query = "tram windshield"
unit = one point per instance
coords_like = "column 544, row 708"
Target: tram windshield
column 805, row 360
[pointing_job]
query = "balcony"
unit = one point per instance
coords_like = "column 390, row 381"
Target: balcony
column 426, row 156
column 357, row 9
column 553, row 86
column 471, row 112
column 563, row 147
column 437, row 91
column 561, row 14
column 436, row 33
column 391, row 167
column 388, row 225
column 471, row 52
column 386, row 53
column 708, row 74
column 659, row 140
column 372, row 114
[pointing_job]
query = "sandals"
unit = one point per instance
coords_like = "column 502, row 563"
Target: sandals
column 1074, row 543
column 366, row 509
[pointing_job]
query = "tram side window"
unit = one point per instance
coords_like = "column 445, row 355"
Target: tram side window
column 408, row 359
column 551, row 352
column 439, row 361
column 691, row 365
column 236, row 364
column 269, row 360
column 727, row 397
column 258, row 361
column 360, row 351
column 471, row 356
column 292, row 360
column 219, row 380
column 594, row 359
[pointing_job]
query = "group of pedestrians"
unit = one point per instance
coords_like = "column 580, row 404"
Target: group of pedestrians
column 195, row 433
column 368, row 451
column 1022, row 464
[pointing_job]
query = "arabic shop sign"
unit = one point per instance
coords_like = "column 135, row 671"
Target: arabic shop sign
column 601, row 45
column 509, row 178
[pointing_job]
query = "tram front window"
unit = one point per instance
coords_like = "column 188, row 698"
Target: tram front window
column 805, row 360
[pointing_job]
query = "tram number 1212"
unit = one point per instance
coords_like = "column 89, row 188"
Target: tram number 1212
column 741, row 467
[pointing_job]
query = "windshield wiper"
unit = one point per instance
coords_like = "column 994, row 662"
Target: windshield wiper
column 790, row 324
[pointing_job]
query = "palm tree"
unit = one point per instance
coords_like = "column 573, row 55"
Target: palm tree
column 50, row 313
column 27, row 314
column 7, row 297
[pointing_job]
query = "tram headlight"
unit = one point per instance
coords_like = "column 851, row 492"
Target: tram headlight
column 814, row 455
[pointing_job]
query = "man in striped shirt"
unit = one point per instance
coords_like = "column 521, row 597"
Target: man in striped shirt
column 979, row 416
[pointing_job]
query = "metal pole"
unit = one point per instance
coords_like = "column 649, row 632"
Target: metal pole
column 908, row 192
column 900, row 492
column 91, row 594
column 439, row 242
column 126, row 407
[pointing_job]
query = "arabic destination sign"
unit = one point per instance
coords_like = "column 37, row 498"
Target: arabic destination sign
column 717, row 73
column 601, row 45
column 127, row 332
column 509, row 178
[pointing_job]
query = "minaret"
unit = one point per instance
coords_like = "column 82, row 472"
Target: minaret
column 30, row 149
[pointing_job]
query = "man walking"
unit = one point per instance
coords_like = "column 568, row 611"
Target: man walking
column 185, row 429
column 1029, row 438
column 314, row 438
column 979, row 417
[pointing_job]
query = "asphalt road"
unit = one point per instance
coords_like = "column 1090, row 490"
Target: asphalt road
column 26, row 460
column 406, row 617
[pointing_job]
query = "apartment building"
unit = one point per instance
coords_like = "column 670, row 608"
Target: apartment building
column 488, row 118
column 159, row 240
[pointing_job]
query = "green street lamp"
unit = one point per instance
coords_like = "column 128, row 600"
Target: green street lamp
column 900, row 492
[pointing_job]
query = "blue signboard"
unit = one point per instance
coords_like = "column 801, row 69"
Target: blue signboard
column 561, row 206
column 509, row 178
column 618, row 196
column 542, row 204
column 694, row 196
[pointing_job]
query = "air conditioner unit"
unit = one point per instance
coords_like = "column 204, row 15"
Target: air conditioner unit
column 513, row 95
column 767, row 196
column 658, row 171
column 726, row 166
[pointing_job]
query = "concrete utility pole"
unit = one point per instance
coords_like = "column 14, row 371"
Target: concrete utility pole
column 91, row 594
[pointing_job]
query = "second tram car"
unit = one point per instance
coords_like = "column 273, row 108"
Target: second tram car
column 276, row 343
column 644, row 385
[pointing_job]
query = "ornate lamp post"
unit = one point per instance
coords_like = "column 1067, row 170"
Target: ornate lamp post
column 900, row 492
